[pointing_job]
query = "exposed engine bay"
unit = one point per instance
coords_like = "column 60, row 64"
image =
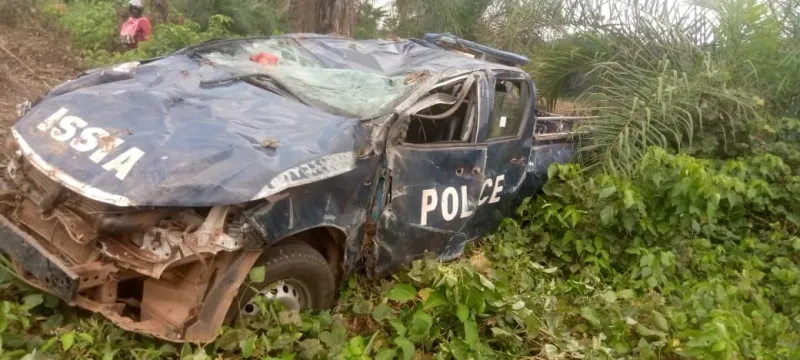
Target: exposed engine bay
column 147, row 269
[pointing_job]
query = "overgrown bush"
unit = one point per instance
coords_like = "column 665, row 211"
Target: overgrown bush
column 93, row 29
column 166, row 39
column 703, row 78
column 248, row 17
column 714, row 241
column 91, row 24
column 685, row 258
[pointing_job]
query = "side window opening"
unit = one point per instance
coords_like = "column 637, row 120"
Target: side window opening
column 447, row 114
column 510, row 101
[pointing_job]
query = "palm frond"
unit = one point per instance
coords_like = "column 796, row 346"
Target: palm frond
column 658, row 106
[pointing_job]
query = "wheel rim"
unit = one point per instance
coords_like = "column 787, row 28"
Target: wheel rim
column 292, row 294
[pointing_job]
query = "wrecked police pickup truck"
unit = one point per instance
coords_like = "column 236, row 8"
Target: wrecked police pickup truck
column 147, row 191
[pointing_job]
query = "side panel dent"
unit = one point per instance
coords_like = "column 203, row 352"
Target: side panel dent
column 342, row 202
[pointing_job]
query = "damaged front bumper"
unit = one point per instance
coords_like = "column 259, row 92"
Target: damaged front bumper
column 38, row 262
column 168, row 273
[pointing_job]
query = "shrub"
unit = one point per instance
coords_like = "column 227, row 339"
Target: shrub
column 93, row 29
column 166, row 39
column 92, row 25
column 248, row 17
column 713, row 240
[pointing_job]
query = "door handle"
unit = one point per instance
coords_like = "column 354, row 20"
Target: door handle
column 518, row 161
column 476, row 171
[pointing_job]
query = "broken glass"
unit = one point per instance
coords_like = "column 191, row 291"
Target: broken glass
column 346, row 92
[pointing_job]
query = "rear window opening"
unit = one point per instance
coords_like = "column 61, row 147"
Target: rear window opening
column 511, row 99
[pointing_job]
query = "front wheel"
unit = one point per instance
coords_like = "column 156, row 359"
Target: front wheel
column 296, row 275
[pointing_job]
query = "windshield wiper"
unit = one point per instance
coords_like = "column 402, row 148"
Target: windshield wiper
column 227, row 80
column 261, row 80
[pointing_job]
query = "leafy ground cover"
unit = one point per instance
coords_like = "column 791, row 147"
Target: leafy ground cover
column 687, row 258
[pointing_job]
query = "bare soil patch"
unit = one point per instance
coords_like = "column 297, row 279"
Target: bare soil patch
column 34, row 56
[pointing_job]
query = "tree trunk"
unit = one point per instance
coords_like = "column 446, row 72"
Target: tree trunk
column 324, row 16
column 160, row 11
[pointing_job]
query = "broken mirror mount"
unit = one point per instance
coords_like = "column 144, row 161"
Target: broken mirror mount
column 23, row 108
column 397, row 132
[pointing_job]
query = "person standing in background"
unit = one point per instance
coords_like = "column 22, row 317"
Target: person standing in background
column 137, row 28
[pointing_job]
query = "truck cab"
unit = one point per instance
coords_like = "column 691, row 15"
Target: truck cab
column 462, row 158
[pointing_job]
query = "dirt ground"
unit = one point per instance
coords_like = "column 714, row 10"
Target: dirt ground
column 33, row 58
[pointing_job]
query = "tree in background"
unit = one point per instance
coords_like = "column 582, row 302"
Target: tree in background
column 249, row 17
column 160, row 11
column 516, row 25
column 324, row 16
column 268, row 17
column 520, row 25
column 367, row 21
column 413, row 18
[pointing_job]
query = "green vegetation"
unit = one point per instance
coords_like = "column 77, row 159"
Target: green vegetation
column 688, row 257
column 93, row 29
column 675, row 237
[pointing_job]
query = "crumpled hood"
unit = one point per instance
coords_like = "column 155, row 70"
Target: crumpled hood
column 152, row 136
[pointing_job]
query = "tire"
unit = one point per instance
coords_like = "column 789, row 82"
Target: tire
column 297, row 262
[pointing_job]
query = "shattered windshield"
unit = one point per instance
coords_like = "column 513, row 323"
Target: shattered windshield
column 346, row 92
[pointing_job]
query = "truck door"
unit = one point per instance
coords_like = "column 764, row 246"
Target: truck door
column 434, row 173
column 509, row 137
